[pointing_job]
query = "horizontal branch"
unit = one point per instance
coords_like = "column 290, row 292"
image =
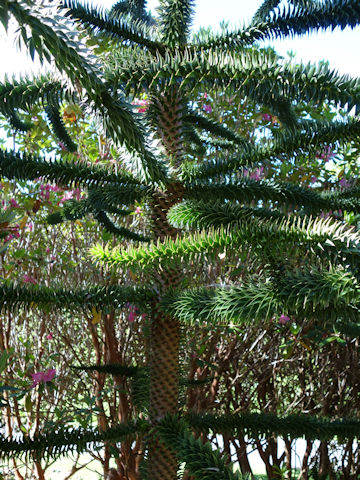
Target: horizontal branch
column 325, row 294
column 14, row 165
column 63, row 441
column 13, row 296
column 290, row 194
column 266, row 424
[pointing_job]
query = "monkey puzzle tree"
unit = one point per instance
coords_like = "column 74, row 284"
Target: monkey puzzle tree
column 298, row 267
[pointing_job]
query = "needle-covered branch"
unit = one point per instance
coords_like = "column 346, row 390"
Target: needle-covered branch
column 116, row 27
column 202, row 462
column 308, row 140
column 326, row 294
column 58, row 126
column 264, row 424
column 117, row 230
column 175, row 21
column 62, row 441
column 49, row 39
column 290, row 194
column 318, row 236
column 288, row 21
column 23, row 93
column 18, row 166
column 14, row 296
column 241, row 70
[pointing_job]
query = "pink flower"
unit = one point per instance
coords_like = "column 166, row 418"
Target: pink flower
column 267, row 117
column 67, row 196
column 47, row 250
column 257, row 174
column 138, row 210
column 284, row 319
column 14, row 203
column 29, row 279
column 205, row 95
column 49, row 336
column 77, row 193
column 42, row 377
column 313, row 179
column 62, row 146
column 133, row 312
column 143, row 105
column 207, row 108
column 326, row 154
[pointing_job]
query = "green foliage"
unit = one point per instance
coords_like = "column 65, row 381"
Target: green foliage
column 113, row 25
column 23, row 93
column 17, row 124
column 259, row 254
column 231, row 71
column 320, row 236
column 305, row 293
column 287, row 21
column 112, row 369
column 21, row 296
column 201, row 460
column 136, row 8
column 175, row 20
column 104, row 220
column 50, row 41
column 26, row 167
column 298, row 426
column 307, row 140
column 64, row 441
column 263, row 12
column 58, row 126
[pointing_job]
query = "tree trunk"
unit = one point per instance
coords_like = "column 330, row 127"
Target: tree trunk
column 325, row 465
column 242, row 457
column 164, row 346
column 304, row 473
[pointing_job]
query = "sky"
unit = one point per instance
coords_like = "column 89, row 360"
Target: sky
column 341, row 48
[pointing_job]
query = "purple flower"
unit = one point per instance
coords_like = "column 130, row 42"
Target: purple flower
column 267, row 117
column 345, row 183
column 207, row 108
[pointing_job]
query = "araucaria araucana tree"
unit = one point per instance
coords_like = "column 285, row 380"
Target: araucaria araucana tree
column 300, row 266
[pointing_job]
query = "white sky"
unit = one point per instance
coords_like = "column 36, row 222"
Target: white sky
column 341, row 48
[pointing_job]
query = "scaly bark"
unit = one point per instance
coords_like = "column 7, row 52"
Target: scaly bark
column 164, row 344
